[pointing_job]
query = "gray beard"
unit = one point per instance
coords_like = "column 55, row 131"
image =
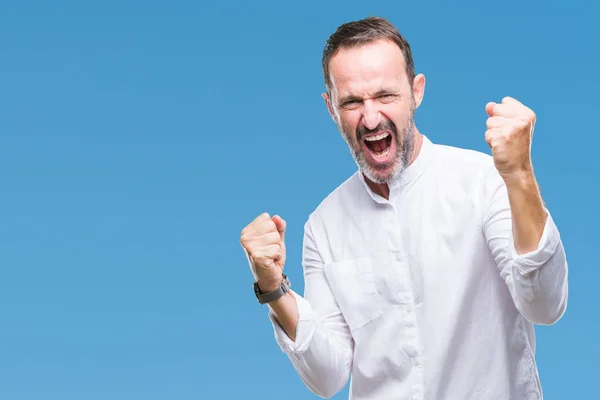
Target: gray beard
column 404, row 150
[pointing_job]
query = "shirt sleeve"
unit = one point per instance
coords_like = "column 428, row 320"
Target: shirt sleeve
column 538, row 280
column 322, row 351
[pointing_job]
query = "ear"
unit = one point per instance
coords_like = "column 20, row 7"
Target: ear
column 328, row 105
column 419, row 89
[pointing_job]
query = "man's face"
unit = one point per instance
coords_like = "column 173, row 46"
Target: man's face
column 373, row 104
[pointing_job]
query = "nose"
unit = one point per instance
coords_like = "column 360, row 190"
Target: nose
column 371, row 116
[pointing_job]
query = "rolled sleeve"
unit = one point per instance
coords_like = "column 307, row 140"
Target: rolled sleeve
column 323, row 347
column 529, row 262
column 304, row 331
column 540, row 277
column 537, row 280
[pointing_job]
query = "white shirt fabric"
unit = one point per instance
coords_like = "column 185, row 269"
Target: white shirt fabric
column 424, row 296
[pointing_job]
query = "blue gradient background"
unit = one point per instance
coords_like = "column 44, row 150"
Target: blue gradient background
column 138, row 138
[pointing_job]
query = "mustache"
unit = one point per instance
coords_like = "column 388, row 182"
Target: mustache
column 383, row 126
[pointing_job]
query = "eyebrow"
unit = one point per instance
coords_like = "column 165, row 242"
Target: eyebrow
column 379, row 92
column 348, row 98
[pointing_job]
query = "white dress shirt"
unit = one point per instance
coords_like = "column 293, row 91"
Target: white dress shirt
column 424, row 296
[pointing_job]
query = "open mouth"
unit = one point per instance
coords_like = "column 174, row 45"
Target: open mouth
column 379, row 146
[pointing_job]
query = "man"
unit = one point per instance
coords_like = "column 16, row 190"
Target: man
column 426, row 270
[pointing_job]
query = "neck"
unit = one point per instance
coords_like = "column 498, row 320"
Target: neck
column 383, row 189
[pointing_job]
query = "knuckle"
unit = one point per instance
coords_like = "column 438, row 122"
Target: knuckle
column 258, row 256
column 273, row 237
column 270, row 226
column 277, row 252
column 250, row 250
column 264, row 216
column 273, row 249
column 246, row 245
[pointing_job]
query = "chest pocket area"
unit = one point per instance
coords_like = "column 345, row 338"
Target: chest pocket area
column 365, row 287
column 353, row 283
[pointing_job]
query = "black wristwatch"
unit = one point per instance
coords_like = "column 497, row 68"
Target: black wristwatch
column 264, row 298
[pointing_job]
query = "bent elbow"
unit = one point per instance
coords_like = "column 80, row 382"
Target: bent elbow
column 546, row 315
column 553, row 317
column 327, row 385
column 327, row 390
column 542, row 300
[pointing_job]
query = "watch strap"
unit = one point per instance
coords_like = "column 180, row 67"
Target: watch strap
column 264, row 298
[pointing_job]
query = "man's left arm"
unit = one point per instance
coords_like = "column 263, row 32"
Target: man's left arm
column 521, row 233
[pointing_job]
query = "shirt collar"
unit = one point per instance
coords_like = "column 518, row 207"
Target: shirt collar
column 412, row 172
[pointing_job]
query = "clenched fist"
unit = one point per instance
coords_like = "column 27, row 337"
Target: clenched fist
column 510, row 131
column 264, row 242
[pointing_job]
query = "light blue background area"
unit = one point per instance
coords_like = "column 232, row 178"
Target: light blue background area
column 138, row 138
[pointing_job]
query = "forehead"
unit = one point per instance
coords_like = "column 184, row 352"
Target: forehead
column 366, row 68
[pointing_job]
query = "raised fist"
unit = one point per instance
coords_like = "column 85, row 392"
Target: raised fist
column 263, row 241
column 510, row 129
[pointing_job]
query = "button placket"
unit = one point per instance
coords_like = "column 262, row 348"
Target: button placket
column 412, row 335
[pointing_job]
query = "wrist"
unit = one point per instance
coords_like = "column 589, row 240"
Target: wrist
column 269, row 285
column 272, row 292
column 522, row 178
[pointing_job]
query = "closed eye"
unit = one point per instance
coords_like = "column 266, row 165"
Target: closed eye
column 387, row 98
column 351, row 103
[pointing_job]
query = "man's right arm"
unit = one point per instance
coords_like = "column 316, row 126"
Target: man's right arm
column 311, row 330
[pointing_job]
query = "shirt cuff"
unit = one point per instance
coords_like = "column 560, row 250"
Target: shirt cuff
column 304, row 330
column 529, row 262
